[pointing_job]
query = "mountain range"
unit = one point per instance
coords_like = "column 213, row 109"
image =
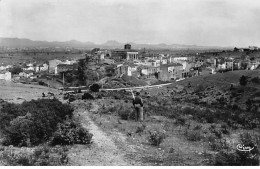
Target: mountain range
column 111, row 44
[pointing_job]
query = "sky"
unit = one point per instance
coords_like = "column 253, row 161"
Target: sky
column 191, row 22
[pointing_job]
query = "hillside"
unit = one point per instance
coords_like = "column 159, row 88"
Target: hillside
column 221, row 80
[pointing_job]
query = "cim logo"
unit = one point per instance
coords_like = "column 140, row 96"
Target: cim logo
column 242, row 147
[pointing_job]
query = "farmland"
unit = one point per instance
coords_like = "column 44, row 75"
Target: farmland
column 19, row 58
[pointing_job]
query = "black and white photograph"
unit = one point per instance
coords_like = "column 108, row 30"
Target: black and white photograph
column 129, row 83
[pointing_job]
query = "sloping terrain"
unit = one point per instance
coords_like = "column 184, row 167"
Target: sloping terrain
column 17, row 93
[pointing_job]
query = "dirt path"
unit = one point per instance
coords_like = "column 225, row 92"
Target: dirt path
column 103, row 151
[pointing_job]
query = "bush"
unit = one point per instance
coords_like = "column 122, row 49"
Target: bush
column 197, row 127
column 42, row 83
column 243, row 80
column 180, row 120
column 94, row 88
column 217, row 132
column 140, row 129
column 126, row 112
column 256, row 80
column 16, row 70
column 194, row 135
column 224, row 128
column 86, row 96
column 156, row 137
column 32, row 123
column 224, row 158
column 218, row 144
column 40, row 156
column 71, row 132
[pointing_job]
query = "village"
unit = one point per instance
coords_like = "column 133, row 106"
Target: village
column 141, row 65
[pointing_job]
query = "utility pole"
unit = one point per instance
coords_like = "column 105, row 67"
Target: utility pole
column 63, row 80
column 232, row 65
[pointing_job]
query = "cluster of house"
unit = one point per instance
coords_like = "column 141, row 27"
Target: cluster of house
column 235, row 64
column 30, row 70
column 129, row 62
column 250, row 48
column 57, row 66
column 4, row 73
column 132, row 63
column 166, row 67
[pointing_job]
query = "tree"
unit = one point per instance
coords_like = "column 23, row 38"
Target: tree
column 16, row 70
column 243, row 80
column 243, row 65
column 81, row 68
column 94, row 88
column 252, row 58
column 156, row 74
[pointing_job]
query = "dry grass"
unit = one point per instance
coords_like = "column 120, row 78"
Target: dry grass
column 17, row 93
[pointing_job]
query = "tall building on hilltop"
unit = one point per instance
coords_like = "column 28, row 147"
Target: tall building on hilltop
column 125, row 54
column 127, row 46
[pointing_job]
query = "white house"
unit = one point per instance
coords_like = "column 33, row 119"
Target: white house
column 5, row 75
column 153, row 63
column 123, row 69
column 29, row 64
column 41, row 67
column 179, row 58
column 2, row 67
column 26, row 74
column 254, row 65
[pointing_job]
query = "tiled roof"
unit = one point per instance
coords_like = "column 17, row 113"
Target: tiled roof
column 28, row 71
column 174, row 64
column 151, row 60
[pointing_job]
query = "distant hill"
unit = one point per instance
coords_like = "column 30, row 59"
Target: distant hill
column 112, row 44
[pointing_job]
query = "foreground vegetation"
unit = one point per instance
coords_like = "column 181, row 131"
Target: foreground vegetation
column 42, row 125
column 179, row 133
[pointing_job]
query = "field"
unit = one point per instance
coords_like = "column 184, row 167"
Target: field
column 17, row 58
column 17, row 93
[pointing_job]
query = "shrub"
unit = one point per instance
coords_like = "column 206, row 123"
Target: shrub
column 256, row 80
column 224, row 128
column 194, row 135
column 218, row 144
column 156, row 137
column 224, row 158
column 197, row 127
column 217, row 132
column 41, row 83
column 16, row 70
column 180, row 120
column 243, row 80
column 40, row 156
column 32, row 123
column 126, row 112
column 87, row 96
column 71, row 132
column 199, row 88
column 140, row 129
column 94, row 88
